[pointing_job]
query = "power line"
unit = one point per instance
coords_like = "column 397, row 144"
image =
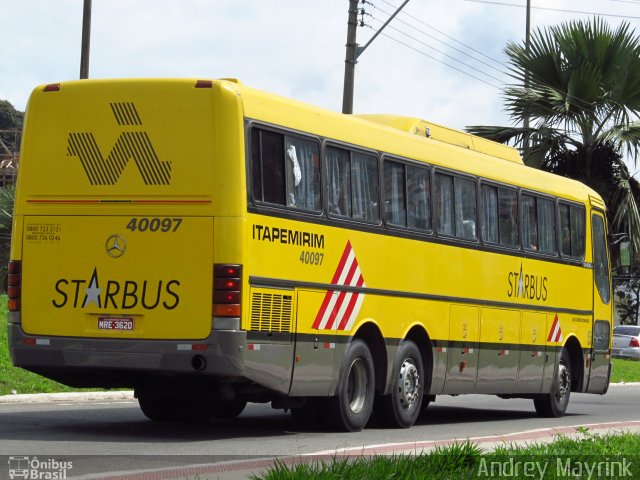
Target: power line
column 553, row 9
column 445, row 54
column 549, row 109
column 444, row 43
column 445, row 35
column 440, row 61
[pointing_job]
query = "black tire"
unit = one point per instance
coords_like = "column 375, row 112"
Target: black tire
column 161, row 408
column 401, row 408
column 309, row 416
column 226, row 409
column 351, row 408
column 555, row 403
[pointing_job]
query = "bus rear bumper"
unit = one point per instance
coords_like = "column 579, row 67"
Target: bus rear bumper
column 84, row 360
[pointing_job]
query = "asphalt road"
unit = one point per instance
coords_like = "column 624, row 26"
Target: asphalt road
column 115, row 435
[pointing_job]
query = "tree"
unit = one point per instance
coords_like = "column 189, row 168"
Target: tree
column 11, row 121
column 7, row 198
column 582, row 97
column 628, row 303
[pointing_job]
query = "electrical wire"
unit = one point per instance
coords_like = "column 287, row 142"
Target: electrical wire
column 421, row 52
column 444, row 43
column 442, row 33
column 490, row 2
column 438, row 60
column 443, row 53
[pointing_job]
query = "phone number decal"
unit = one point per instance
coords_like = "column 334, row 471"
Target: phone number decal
column 43, row 232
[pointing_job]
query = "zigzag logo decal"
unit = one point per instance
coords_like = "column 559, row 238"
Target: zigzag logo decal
column 130, row 145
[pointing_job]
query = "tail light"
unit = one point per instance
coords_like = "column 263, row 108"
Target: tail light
column 227, row 293
column 14, row 285
column 634, row 342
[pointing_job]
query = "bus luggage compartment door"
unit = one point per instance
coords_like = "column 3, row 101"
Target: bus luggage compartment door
column 96, row 276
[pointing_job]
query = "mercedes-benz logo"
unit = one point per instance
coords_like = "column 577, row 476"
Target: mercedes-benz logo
column 116, row 245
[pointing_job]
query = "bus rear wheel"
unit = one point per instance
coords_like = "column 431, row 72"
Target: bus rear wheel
column 169, row 408
column 555, row 403
column 172, row 408
column 401, row 408
column 351, row 408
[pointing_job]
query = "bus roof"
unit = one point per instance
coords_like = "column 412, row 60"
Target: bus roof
column 406, row 137
column 423, row 128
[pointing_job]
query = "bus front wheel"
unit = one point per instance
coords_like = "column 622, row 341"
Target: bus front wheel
column 351, row 408
column 401, row 408
column 555, row 403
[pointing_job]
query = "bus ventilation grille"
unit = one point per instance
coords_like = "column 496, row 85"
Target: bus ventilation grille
column 271, row 313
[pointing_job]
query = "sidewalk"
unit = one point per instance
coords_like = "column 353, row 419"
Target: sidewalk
column 240, row 470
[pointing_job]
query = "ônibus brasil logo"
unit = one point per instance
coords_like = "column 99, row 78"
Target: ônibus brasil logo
column 130, row 145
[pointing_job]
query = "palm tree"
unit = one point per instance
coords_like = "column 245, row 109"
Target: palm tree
column 582, row 98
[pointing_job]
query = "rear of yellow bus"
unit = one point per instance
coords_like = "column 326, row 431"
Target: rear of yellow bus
column 117, row 277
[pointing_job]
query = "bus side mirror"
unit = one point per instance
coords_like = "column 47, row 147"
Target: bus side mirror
column 625, row 254
column 623, row 245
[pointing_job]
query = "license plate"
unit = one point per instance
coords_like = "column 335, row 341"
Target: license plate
column 615, row 351
column 116, row 323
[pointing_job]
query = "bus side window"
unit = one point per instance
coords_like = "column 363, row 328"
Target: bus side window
column 577, row 231
column 268, row 173
column 302, row 167
column 490, row 214
column 364, row 178
column 529, row 222
column 508, row 217
column 572, row 230
column 547, row 225
column 444, row 204
column 338, row 181
column 419, row 198
column 395, row 210
column 465, row 208
column 352, row 181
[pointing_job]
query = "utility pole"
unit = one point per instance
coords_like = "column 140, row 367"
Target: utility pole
column 86, row 37
column 354, row 51
column 527, row 43
column 350, row 59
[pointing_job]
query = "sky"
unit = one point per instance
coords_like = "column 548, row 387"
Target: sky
column 440, row 60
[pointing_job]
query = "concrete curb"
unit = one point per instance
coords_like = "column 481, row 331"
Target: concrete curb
column 121, row 395
column 74, row 397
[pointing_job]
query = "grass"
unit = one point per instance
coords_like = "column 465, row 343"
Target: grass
column 17, row 380
column 565, row 457
column 625, row 370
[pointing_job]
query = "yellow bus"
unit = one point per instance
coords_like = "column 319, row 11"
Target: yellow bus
column 208, row 245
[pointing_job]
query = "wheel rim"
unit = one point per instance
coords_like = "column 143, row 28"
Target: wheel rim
column 357, row 385
column 409, row 384
column 564, row 382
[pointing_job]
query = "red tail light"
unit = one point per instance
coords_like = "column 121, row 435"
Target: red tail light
column 14, row 285
column 227, row 290
column 634, row 342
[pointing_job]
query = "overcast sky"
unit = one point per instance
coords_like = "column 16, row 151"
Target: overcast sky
column 294, row 48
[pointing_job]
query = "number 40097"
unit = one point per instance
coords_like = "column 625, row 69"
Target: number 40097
column 311, row 258
column 155, row 224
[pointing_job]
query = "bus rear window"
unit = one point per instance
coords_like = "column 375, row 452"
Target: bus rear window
column 285, row 170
